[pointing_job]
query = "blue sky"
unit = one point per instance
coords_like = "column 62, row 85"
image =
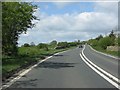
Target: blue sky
column 70, row 21
column 76, row 7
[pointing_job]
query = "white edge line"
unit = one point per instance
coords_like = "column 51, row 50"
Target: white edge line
column 113, row 77
column 105, row 54
column 27, row 70
column 99, row 73
column 116, row 79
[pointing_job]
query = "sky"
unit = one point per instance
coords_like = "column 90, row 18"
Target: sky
column 71, row 21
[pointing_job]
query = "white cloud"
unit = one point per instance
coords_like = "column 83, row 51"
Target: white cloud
column 69, row 27
column 107, row 7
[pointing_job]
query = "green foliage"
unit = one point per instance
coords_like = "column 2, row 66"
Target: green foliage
column 78, row 42
column 27, row 55
column 72, row 43
column 99, row 37
column 115, row 53
column 104, row 42
column 90, row 41
column 62, row 45
column 112, row 34
column 83, row 42
column 26, row 45
column 95, row 42
column 54, row 42
column 16, row 18
column 118, row 41
column 31, row 51
column 43, row 46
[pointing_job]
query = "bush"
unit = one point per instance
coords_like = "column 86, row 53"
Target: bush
column 73, row 43
column 104, row 42
column 95, row 42
column 118, row 41
column 43, row 46
column 63, row 44
column 59, row 47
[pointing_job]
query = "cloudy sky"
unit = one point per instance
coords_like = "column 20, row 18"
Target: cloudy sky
column 70, row 21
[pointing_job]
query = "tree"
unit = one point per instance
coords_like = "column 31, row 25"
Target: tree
column 26, row 45
column 112, row 37
column 62, row 44
column 16, row 18
column 73, row 43
column 32, row 44
column 112, row 34
column 54, row 42
column 78, row 41
column 99, row 37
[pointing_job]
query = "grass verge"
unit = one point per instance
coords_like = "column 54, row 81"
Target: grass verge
column 113, row 53
column 27, row 56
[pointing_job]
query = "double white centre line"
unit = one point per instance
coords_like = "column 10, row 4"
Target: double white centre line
column 107, row 76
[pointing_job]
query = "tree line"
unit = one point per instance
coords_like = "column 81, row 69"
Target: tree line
column 103, row 42
column 54, row 43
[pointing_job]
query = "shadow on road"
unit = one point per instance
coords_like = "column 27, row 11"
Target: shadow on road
column 23, row 84
column 55, row 65
column 58, row 55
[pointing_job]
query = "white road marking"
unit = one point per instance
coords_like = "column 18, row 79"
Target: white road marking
column 105, row 54
column 89, row 63
column 101, row 74
column 27, row 70
column 113, row 77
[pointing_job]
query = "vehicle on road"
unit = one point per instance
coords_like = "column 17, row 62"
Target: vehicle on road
column 81, row 46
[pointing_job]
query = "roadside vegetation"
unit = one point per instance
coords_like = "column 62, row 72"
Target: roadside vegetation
column 31, row 54
column 101, row 44
column 17, row 18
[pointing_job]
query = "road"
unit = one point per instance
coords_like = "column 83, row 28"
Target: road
column 68, row 70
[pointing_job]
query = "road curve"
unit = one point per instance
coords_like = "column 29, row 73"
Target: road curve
column 105, row 62
column 65, row 70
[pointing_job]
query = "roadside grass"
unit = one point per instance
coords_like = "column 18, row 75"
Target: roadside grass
column 25, row 56
column 114, row 53
column 12, row 63
column 36, row 52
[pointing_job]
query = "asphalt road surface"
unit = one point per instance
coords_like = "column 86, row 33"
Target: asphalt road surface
column 68, row 70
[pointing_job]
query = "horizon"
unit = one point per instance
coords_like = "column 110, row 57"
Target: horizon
column 70, row 21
